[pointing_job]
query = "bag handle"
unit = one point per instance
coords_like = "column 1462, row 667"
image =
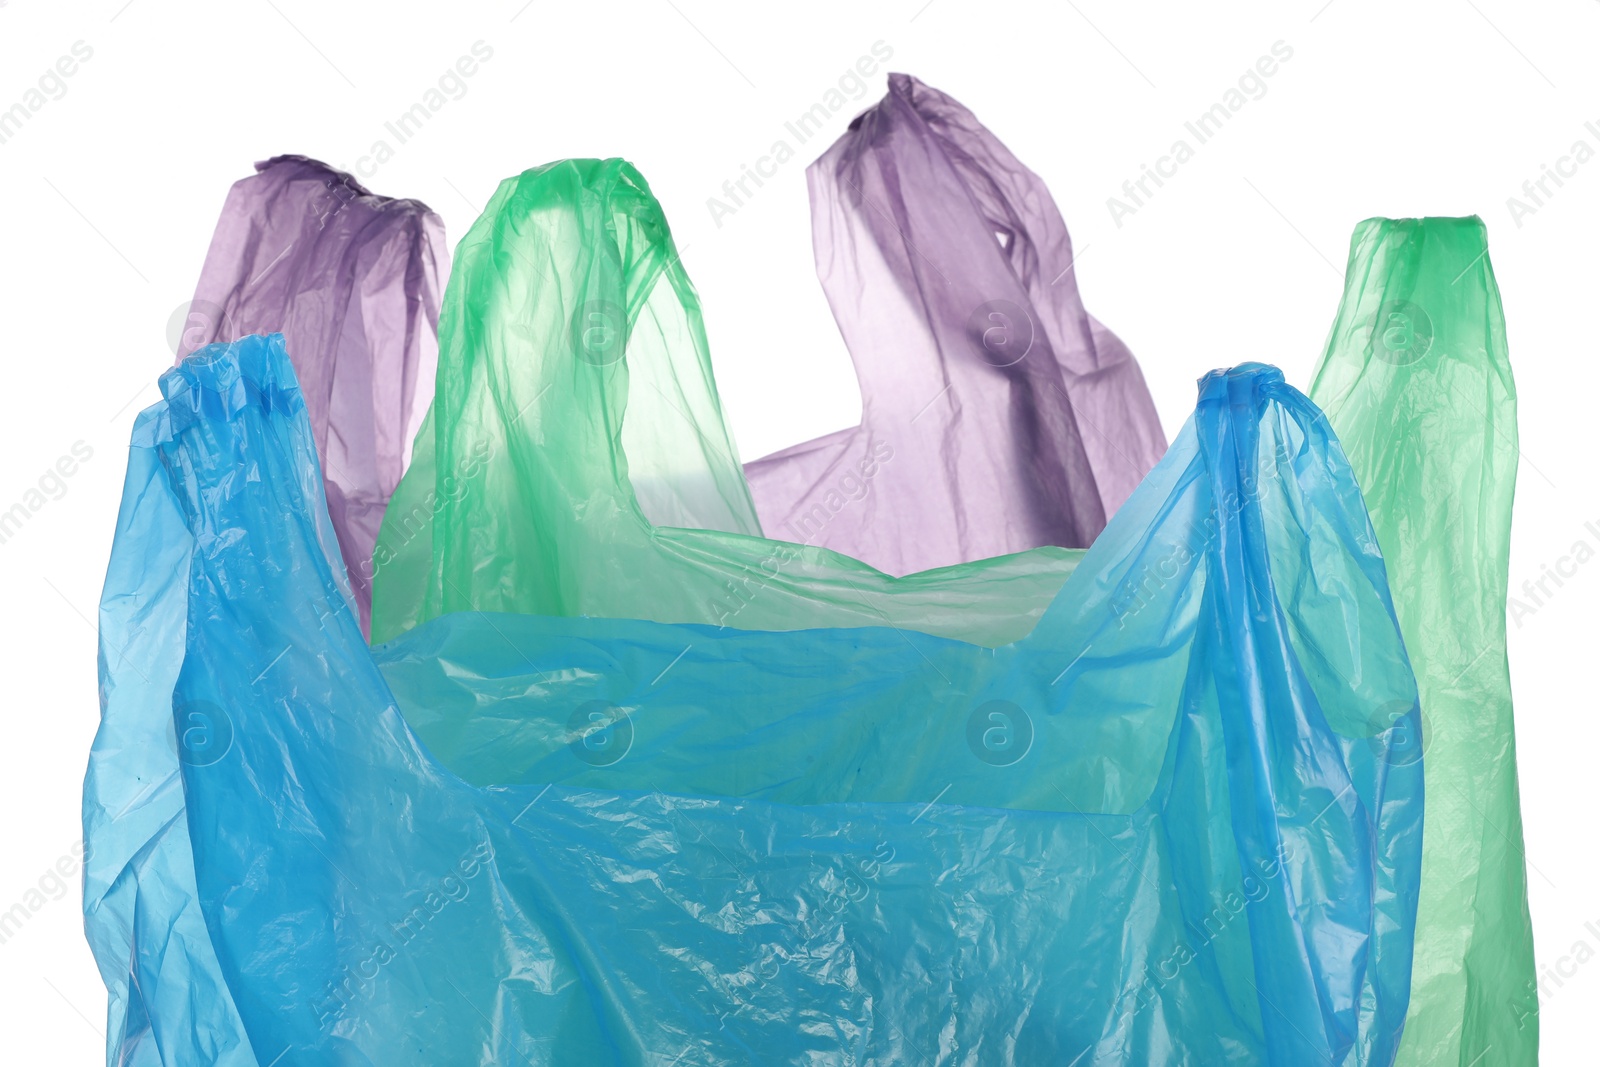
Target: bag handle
column 1308, row 728
column 949, row 270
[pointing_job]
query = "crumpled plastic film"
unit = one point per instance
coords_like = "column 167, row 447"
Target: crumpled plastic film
column 529, row 491
column 997, row 414
column 1166, row 825
column 167, row 1002
column 1417, row 381
column 353, row 280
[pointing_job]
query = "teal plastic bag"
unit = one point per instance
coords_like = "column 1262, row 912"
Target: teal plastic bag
column 1168, row 825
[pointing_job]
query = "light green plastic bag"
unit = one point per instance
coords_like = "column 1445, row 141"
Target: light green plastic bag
column 1418, row 387
column 528, row 491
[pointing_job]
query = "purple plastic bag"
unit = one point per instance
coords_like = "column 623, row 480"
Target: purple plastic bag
column 997, row 414
column 352, row 280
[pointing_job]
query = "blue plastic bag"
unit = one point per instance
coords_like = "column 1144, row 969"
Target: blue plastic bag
column 1166, row 827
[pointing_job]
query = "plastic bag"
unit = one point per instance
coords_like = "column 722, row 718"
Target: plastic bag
column 1417, row 382
column 1166, row 826
column 530, row 492
column 353, row 281
column 997, row 415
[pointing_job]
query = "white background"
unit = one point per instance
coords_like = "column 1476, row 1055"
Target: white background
column 110, row 194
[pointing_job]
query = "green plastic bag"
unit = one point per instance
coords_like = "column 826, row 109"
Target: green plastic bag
column 529, row 493
column 1417, row 385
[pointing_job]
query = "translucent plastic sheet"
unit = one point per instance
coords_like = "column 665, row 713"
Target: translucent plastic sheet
column 1417, row 382
column 353, row 281
column 529, row 492
column 1168, row 825
column 997, row 415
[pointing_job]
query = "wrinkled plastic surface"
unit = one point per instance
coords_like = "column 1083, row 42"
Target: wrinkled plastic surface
column 529, row 491
column 353, row 281
column 1172, row 824
column 1417, row 382
column 997, row 414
